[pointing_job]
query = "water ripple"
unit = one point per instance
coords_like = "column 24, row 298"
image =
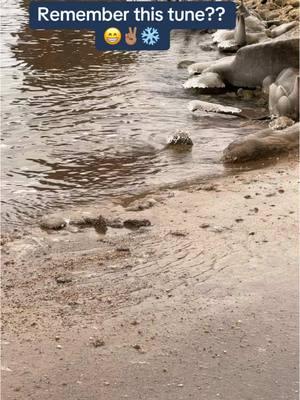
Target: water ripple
column 80, row 125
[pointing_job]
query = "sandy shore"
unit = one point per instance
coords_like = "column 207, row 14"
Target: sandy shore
column 202, row 304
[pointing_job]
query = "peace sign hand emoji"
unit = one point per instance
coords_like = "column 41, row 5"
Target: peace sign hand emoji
column 130, row 37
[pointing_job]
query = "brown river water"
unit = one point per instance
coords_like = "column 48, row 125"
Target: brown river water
column 80, row 126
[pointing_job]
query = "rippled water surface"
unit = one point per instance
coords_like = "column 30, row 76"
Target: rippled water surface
column 79, row 125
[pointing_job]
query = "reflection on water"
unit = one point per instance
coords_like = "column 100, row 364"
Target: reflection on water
column 79, row 125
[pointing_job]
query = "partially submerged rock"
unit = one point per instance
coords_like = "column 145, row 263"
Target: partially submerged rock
column 83, row 220
column 212, row 107
column 90, row 220
column 181, row 138
column 228, row 46
column 261, row 144
column 52, row 222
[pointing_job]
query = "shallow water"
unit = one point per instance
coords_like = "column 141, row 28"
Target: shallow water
column 80, row 125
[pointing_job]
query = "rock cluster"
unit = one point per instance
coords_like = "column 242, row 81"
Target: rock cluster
column 283, row 10
column 86, row 220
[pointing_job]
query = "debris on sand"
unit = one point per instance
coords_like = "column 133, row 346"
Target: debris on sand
column 178, row 233
column 136, row 223
column 123, row 249
column 96, row 221
column 97, row 342
column 209, row 187
column 63, row 278
column 204, row 225
column 141, row 205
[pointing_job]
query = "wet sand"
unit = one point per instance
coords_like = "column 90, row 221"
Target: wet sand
column 202, row 304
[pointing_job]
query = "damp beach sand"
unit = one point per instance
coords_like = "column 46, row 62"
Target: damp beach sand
column 202, row 303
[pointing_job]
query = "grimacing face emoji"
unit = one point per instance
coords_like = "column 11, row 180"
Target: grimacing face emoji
column 112, row 36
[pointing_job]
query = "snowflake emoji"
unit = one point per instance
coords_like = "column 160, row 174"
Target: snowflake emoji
column 150, row 36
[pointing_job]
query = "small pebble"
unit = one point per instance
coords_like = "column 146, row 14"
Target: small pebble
column 204, row 225
column 97, row 342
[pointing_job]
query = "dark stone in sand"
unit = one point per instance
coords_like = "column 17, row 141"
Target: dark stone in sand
column 123, row 249
column 178, row 233
column 96, row 342
column 209, row 187
column 136, row 347
column 98, row 222
column 136, row 223
column 61, row 279
column 141, row 205
column 100, row 225
column 204, row 225
column 115, row 223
